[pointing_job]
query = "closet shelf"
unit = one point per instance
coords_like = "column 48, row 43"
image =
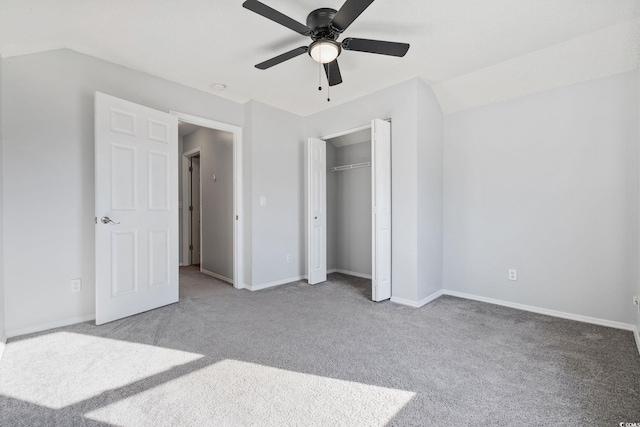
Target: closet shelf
column 353, row 166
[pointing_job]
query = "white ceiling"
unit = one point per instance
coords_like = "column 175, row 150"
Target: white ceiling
column 471, row 52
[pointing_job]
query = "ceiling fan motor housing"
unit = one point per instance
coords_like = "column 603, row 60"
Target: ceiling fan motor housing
column 319, row 23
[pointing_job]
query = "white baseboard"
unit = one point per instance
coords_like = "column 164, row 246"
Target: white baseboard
column 548, row 312
column 272, row 284
column 350, row 273
column 636, row 335
column 216, row 275
column 417, row 304
column 43, row 327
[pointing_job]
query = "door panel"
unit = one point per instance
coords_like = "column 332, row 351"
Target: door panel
column 159, row 257
column 158, row 189
column 123, row 177
column 381, row 209
column 124, row 250
column 136, row 160
column 316, row 211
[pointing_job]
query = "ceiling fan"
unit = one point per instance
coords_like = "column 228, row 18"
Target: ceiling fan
column 324, row 26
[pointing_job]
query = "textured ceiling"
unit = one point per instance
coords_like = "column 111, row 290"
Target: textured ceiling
column 470, row 52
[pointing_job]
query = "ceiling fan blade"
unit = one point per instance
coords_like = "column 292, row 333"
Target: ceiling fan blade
column 348, row 13
column 274, row 15
column 375, row 46
column 333, row 73
column 281, row 58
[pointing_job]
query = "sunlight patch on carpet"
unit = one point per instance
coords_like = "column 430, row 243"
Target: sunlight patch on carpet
column 63, row 368
column 232, row 392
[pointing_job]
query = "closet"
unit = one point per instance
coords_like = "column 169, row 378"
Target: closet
column 348, row 206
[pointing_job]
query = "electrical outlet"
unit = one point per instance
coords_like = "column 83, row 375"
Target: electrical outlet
column 636, row 302
column 76, row 285
column 289, row 258
column 513, row 274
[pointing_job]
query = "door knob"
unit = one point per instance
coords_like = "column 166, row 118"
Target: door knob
column 107, row 220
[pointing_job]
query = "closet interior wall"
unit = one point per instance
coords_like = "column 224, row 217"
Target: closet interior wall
column 349, row 209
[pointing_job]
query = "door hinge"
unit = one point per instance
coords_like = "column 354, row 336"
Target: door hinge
column 236, row 217
column 95, row 219
column 190, row 208
column 190, row 247
column 190, row 169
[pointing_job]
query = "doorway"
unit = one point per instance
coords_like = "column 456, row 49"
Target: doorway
column 211, row 196
column 348, row 217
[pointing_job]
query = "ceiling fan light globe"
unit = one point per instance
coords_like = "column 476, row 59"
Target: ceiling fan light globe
column 324, row 51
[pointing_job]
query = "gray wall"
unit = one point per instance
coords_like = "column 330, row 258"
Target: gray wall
column 2, row 308
column 49, row 174
column 216, row 157
column 273, row 167
column 352, row 210
column 409, row 187
column 546, row 184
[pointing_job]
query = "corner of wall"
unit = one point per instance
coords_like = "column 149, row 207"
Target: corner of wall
column 430, row 158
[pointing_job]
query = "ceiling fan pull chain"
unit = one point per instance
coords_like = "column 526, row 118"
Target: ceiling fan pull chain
column 328, row 83
column 319, row 76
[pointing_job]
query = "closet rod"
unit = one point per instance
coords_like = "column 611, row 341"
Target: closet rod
column 353, row 166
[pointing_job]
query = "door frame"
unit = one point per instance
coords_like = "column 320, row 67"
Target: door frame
column 373, row 188
column 346, row 132
column 186, row 226
column 238, row 247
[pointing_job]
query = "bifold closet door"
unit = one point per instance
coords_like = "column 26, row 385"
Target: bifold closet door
column 316, row 210
column 381, row 209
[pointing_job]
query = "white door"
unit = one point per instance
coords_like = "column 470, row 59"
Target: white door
column 195, row 211
column 381, row 200
column 316, row 210
column 136, row 208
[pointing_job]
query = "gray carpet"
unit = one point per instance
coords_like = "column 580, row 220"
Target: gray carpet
column 321, row 355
